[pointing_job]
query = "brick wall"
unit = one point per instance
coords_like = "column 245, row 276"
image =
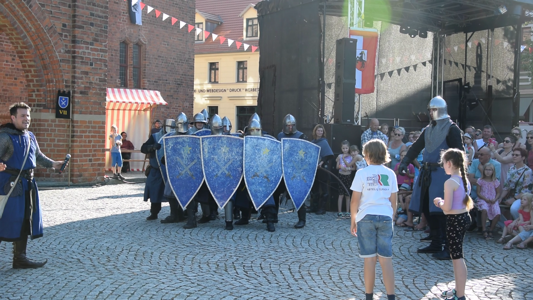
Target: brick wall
column 167, row 53
column 74, row 45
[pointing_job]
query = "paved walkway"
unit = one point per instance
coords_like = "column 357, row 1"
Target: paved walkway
column 99, row 246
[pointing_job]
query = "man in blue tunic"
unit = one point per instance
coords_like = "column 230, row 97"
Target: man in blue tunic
column 290, row 132
column 155, row 186
column 22, row 214
column 440, row 134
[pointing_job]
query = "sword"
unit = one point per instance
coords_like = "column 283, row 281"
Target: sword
column 224, row 168
column 186, row 168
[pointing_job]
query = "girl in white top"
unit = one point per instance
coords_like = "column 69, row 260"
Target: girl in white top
column 373, row 207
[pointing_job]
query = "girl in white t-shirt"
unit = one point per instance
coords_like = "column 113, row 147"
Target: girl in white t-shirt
column 373, row 207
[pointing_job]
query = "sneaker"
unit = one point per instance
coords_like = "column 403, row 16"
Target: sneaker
column 340, row 215
column 115, row 176
column 347, row 215
column 121, row 177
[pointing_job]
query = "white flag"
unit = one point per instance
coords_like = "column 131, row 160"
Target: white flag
column 133, row 2
column 165, row 16
column 398, row 59
column 383, row 61
column 455, row 48
column 214, row 36
column 149, row 8
column 230, row 41
column 245, row 46
column 198, row 31
column 469, row 44
column 483, row 40
column 505, row 44
column 182, row 24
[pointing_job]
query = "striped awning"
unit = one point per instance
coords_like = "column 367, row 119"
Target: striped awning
column 140, row 98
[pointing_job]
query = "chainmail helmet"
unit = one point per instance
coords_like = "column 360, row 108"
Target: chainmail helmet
column 289, row 124
column 169, row 126
column 254, row 125
column 226, row 124
column 182, row 124
column 205, row 113
column 216, row 125
column 438, row 109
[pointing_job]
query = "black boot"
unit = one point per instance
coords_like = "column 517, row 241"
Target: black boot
column 322, row 205
column 436, row 243
column 301, row 217
column 229, row 225
column 205, row 214
column 245, row 218
column 151, row 217
column 442, row 255
column 180, row 216
column 173, row 218
column 20, row 261
column 236, row 213
column 155, row 208
column 271, row 227
column 191, row 216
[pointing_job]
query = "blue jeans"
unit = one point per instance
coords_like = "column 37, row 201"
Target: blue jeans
column 374, row 233
column 116, row 159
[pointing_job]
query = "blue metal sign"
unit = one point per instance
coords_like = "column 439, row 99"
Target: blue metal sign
column 300, row 161
column 262, row 168
column 183, row 156
column 222, row 165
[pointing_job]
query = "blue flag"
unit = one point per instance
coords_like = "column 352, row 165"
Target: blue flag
column 135, row 12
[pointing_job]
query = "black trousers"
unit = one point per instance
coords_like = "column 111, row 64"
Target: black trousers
column 436, row 222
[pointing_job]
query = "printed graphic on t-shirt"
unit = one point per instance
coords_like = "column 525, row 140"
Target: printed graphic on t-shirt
column 377, row 180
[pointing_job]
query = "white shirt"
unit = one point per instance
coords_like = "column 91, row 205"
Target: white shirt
column 376, row 184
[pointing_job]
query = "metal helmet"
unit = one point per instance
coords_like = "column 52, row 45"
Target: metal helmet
column 254, row 125
column 169, row 126
column 441, row 107
column 205, row 113
column 200, row 118
column 182, row 124
column 216, row 125
column 289, row 120
column 226, row 124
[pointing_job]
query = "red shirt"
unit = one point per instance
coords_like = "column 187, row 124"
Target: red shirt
column 127, row 145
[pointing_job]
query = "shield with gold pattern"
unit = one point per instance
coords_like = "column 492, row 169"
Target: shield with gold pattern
column 183, row 157
column 300, row 160
column 222, row 165
column 262, row 168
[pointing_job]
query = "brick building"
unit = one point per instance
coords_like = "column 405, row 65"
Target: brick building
column 75, row 45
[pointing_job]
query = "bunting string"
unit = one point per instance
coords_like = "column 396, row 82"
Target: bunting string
column 197, row 30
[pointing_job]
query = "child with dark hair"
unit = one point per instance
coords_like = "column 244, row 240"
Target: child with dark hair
column 456, row 205
column 373, row 207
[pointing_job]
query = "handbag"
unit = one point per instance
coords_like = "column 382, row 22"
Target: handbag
column 512, row 191
column 4, row 198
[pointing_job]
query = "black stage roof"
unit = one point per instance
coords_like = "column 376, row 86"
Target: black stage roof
column 444, row 16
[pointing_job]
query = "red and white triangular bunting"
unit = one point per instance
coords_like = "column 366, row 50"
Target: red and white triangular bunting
column 157, row 13
column 505, row 44
column 230, row 41
column 222, row 39
column 142, row 5
column 245, row 46
column 174, row 20
column 214, row 36
column 149, row 9
column 206, row 34
column 183, row 24
column 198, row 30
column 254, row 48
column 238, row 44
column 133, row 2
column 190, row 27
column 165, row 16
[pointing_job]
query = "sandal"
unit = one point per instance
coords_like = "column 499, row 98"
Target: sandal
column 507, row 247
column 490, row 237
column 447, row 294
column 485, row 234
column 500, row 241
column 521, row 246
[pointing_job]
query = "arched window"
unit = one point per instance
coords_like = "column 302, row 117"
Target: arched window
column 123, row 71
column 137, row 66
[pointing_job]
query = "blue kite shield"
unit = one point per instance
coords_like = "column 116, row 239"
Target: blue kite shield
column 222, row 165
column 262, row 168
column 203, row 132
column 160, row 153
column 183, row 156
column 300, row 160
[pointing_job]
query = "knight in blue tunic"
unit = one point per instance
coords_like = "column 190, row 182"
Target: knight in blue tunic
column 290, row 132
column 22, row 213
column 176, row 212
column 440, row 134
column 155, row 185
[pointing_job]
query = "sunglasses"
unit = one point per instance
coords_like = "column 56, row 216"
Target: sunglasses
column 516, row 155
column 479, row 133
column 530, row 137
column 398, row 134
column 516, row 133
column 506, row 141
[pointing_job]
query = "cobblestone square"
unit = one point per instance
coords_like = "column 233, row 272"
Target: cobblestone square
column 100, row 246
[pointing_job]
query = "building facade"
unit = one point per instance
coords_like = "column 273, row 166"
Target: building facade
column 226, row 79
column 86, row 47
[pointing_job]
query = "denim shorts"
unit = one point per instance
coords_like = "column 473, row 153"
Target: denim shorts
column 116, row 159
column 374, row 234
column 524, row 235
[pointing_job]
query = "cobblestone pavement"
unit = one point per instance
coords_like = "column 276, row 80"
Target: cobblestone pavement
column 99, row 246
